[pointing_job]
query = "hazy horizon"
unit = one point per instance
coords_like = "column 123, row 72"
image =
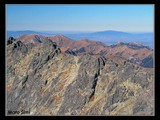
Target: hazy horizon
column 81, row 31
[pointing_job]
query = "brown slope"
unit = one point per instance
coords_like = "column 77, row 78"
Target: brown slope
column 67, row 43
column 29, row 38
column 94, row 47
column 126, row 52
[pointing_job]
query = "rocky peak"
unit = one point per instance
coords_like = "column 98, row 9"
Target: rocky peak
column 19, row 49
column 48, row 44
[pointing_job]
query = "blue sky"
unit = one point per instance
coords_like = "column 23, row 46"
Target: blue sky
column 129, row 18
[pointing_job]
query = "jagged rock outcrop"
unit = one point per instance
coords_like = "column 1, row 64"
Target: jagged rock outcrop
column 10, row 40
column 45, row 81
column 70, row 52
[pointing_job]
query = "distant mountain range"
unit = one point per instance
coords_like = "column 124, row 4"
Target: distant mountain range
column 16, row 34
column 108, row 37
column 112, row 37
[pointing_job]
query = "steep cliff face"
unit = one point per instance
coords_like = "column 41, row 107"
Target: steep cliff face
column 46, row 81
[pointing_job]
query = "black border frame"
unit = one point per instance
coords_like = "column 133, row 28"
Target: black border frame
column 156, row 42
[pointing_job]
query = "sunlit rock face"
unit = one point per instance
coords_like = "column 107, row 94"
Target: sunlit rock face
column 44, row 80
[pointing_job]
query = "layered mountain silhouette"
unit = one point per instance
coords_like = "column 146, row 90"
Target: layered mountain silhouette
column 56, row 75
column 107, row 37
